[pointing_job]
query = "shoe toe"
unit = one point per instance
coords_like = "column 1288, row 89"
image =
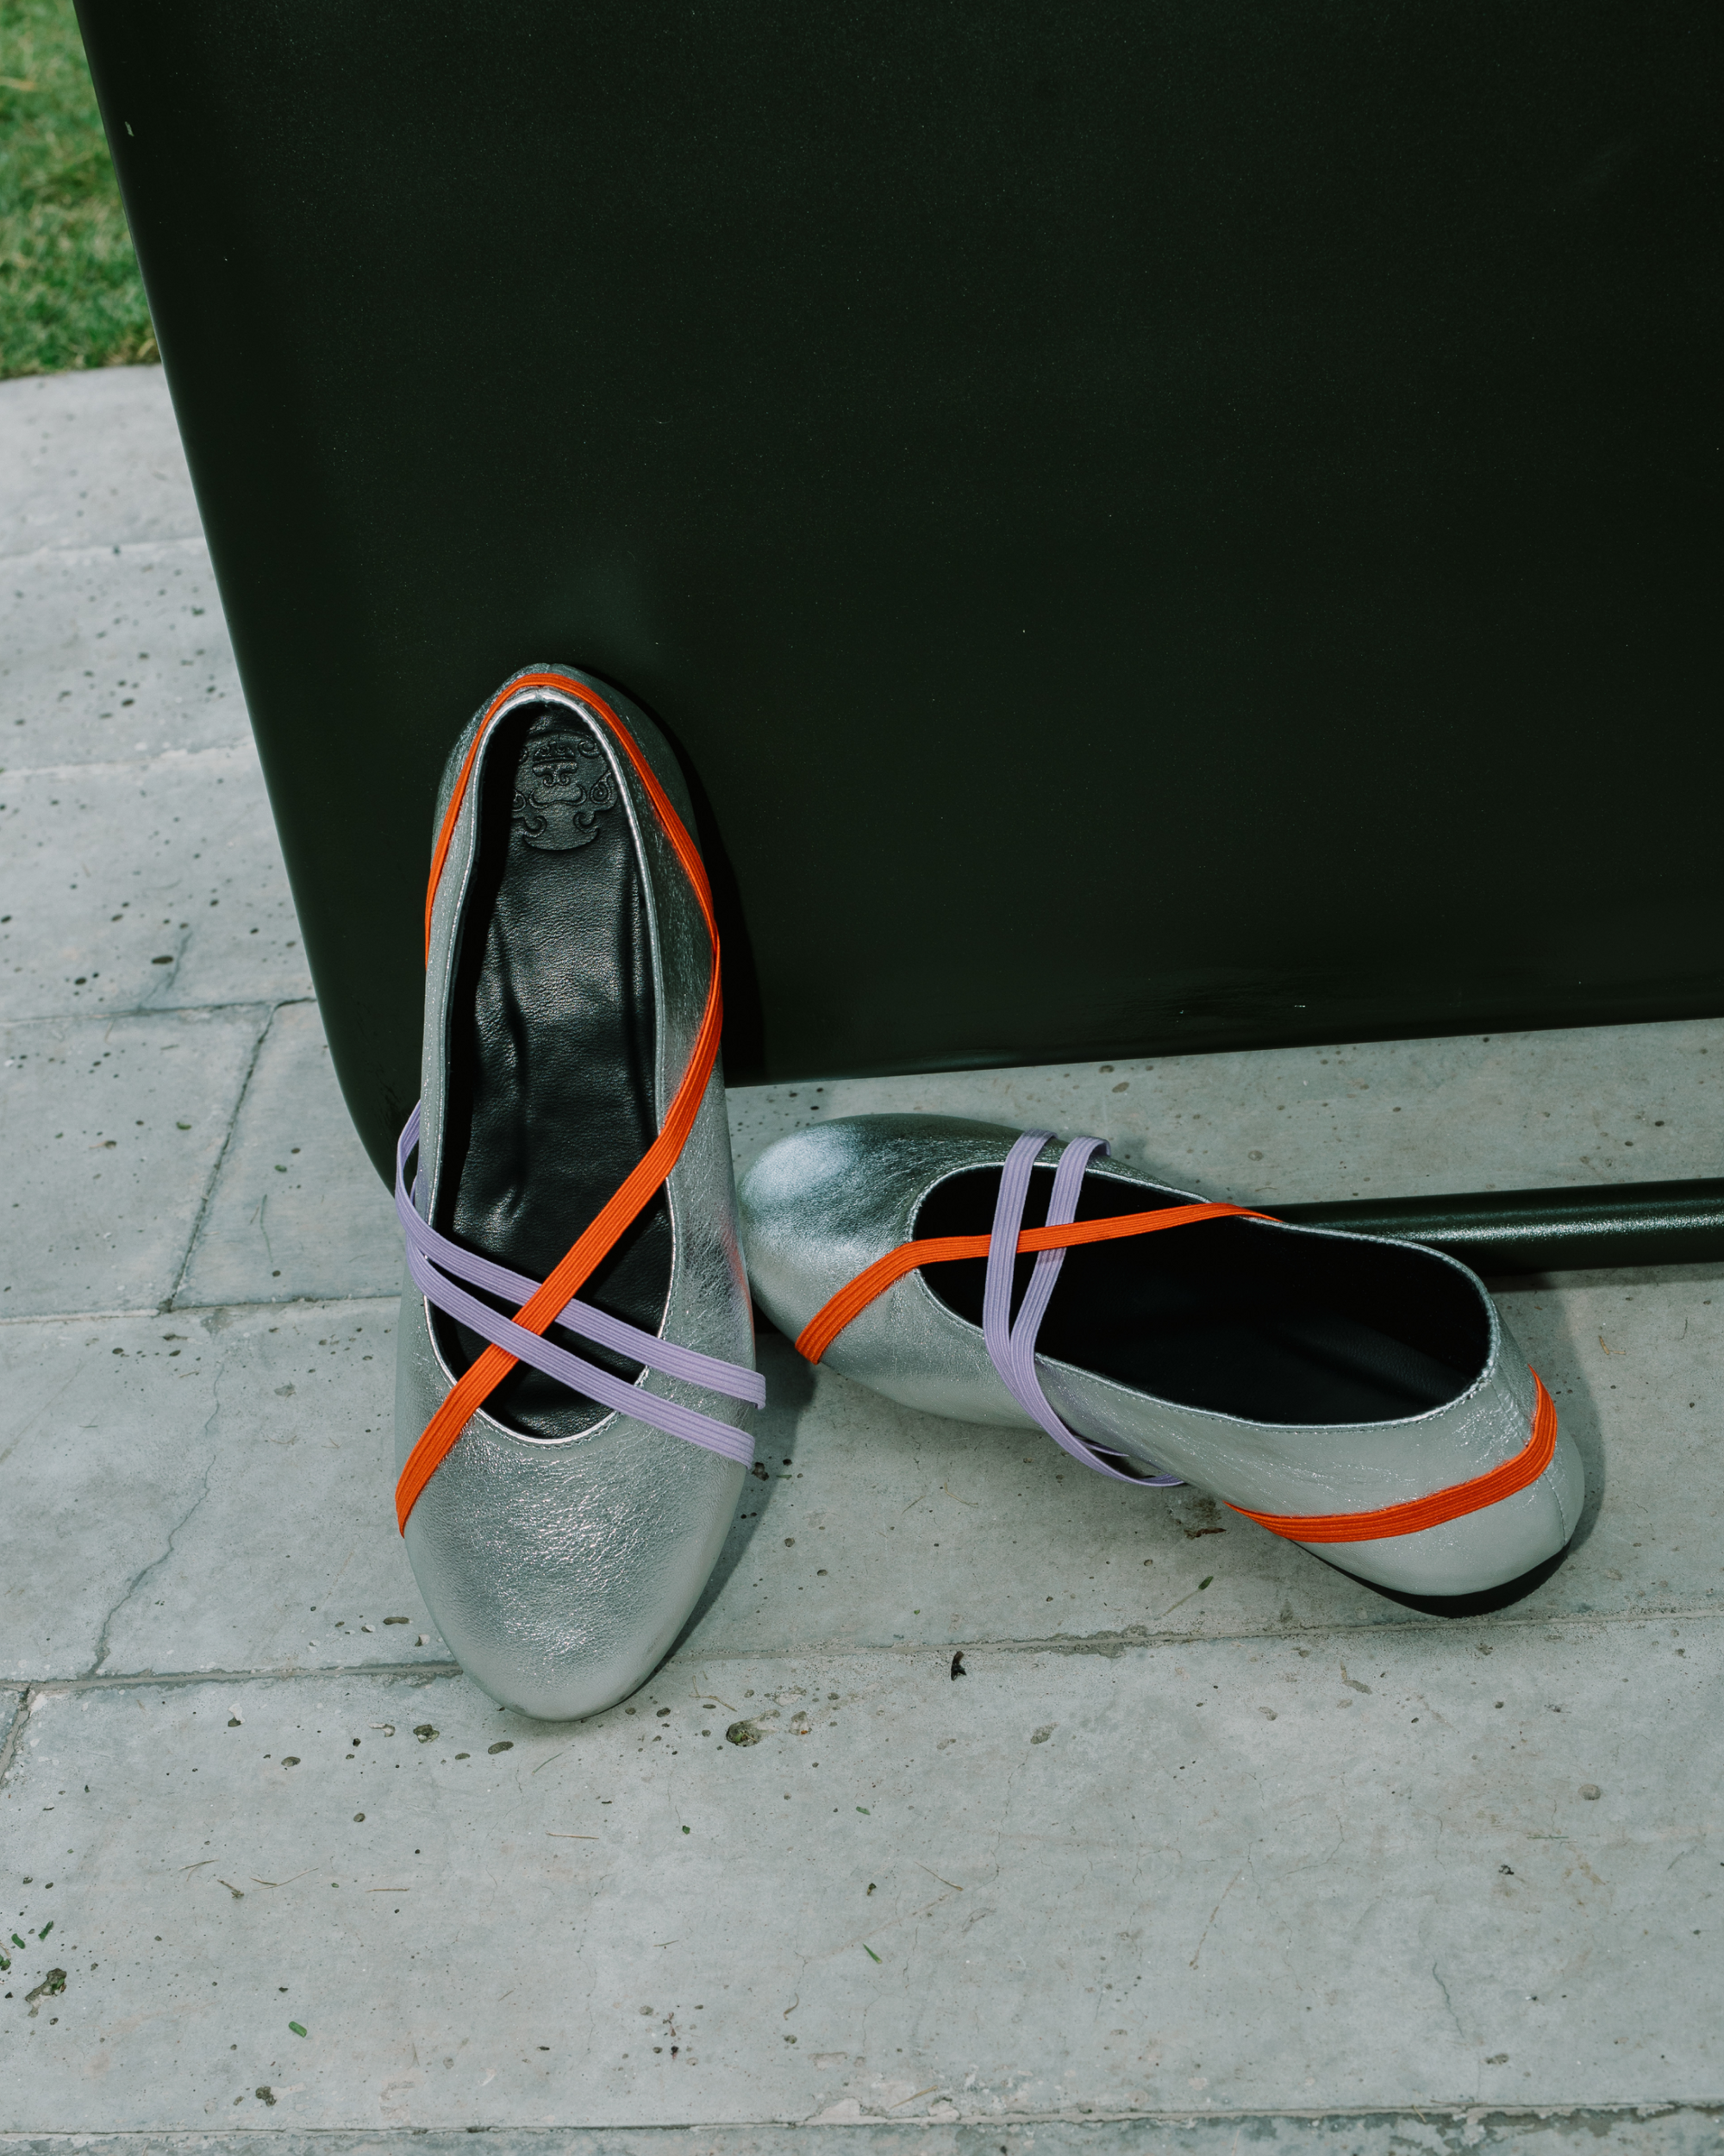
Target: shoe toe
column 819, row 1205
column 561, row 1574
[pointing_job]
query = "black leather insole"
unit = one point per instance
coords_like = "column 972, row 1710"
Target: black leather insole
column 551, row 1036
column 1229, row 1316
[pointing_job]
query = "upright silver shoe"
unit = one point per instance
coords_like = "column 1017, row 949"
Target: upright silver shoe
column 1357, row 1395
column 569, row 1463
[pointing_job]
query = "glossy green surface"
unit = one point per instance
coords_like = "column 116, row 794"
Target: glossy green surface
column 1153, row 526
column 1503, row 1233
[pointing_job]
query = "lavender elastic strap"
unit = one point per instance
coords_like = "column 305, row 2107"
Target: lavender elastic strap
column 668, row 1415
column 1012, row 1347
column 686, row 1363
column 425, row 1256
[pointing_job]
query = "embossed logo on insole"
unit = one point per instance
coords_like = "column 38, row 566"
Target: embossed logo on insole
column 562, row 788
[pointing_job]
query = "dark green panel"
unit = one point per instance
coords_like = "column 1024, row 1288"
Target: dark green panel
column 1505, row 1233
column 1155, row 525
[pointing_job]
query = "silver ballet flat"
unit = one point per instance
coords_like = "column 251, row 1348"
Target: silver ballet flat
column 569, row 1462
column 1356, row 1396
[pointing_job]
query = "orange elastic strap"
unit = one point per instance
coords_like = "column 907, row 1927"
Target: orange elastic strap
column 854, row 1296
column 1419, row 1512
column 471, row 1391
column 1410, row 1518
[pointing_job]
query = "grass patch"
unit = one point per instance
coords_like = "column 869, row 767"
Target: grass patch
column 70, row 292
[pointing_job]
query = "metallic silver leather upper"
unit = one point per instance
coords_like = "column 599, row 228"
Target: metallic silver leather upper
column 821, row 1205
column 560, row 1571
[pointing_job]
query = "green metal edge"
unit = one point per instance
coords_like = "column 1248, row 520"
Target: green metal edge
column 1513, row 1232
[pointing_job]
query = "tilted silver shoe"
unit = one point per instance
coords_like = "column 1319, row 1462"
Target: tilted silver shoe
column 569, row 1464
column 1354, row 1395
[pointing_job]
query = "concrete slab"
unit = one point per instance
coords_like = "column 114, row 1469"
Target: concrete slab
column 203, row 1492
column 1345, row 1902
column 144, row 885
column 1181, row 1878
column 106, row 654
column 298, row 1211
column 91, row 459
column 111, row 1129
column 1378, row 1119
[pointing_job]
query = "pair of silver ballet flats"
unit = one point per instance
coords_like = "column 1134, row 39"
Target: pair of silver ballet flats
column 571, row 1414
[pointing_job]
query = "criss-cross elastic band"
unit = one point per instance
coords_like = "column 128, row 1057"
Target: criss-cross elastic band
column 1011, row 1348
column 1011, row 1345
column 552, row 1300
column 854, row 1296
column 438, row 1265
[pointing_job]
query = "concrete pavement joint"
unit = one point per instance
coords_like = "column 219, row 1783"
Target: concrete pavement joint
column 99, row 1015
column 1475, row 2121
column 816, row 1650
column 82, row 1317
column 214, row 1174
column 1111, row 1645
column 129, row 550
column 286, row 1673
column 122, row 766
column 193, row 1309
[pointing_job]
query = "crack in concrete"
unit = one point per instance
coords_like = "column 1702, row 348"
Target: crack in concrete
column 1437, row 1977
column 142, row 1574
column 144, row 1571
column 1215, row 1912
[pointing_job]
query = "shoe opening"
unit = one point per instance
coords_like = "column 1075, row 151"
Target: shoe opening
column 1233, row 1316
column 551, row 1032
